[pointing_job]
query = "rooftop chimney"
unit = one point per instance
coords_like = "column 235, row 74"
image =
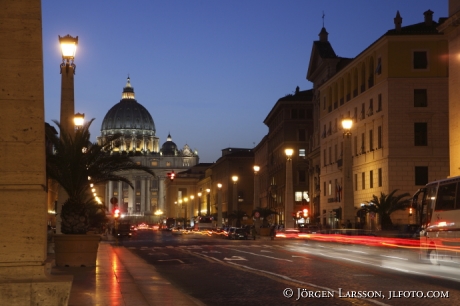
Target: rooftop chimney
column 398, row 21
column 428, row 17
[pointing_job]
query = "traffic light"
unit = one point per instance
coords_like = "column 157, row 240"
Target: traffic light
column 171, row 175
column 116, row 213
column 305, row 212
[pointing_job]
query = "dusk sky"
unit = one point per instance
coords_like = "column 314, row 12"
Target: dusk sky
column 209, row 72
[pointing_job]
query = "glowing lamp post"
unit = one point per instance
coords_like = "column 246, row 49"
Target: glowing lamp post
column 79, row 120
column 219, row 205
column 235, row 199
column 199, row 203
column 256, row 187
column 289, row 191
column 68, row 50
column 347, row 169
column 208, row 202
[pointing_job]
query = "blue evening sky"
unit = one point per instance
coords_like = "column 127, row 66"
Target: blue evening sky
column 208, row 72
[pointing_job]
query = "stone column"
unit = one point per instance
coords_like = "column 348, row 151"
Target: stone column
column 24, row 279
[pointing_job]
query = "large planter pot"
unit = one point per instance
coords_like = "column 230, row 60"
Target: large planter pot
column 76, row 250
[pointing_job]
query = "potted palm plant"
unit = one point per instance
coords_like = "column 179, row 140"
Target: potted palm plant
column 74, row 165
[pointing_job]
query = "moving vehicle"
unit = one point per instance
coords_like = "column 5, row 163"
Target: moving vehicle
column 238, row 233
column 438, row 212
column 124, row 229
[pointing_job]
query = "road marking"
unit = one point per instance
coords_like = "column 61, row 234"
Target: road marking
column 266, row 251
column 235, row 258
column 260, row 255
column 171, row 260
column 300, row 256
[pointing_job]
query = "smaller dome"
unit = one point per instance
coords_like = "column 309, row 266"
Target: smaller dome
column 169, row 147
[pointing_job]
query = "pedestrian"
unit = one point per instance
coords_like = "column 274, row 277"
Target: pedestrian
column 253, row 232
column 272, row 232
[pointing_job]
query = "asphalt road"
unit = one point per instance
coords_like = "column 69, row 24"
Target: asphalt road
column 295, row 272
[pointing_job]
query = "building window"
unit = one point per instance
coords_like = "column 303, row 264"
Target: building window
column 168, row 164
column 302, row 176
column 378, row 70
column 330, row 155
column 302, row 135
column 324, row 156
column 154, row 163
column 356, row 182
column 324, row 188
column 355, row 143
column 301, row 114
column 330, row 187
column 294, row 114
column 421, row 176
column 370, row 110
column 363, row 180
column 420, row 134
column 363, row 139
column 420, row 98
column 371, row 140
column 420, row 60
column 379, row 103
column 371, row 179
column 379, row 137
column 335, row 152
column 298, row 196
column 302, row 152
column 324, row 103
column 380, row 177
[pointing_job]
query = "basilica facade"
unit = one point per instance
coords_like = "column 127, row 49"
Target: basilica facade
column 134, row 122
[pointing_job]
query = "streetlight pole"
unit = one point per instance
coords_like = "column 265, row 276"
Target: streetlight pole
column 68, row 49
column 67, row 69
column 235, row 199
column 347, row 168
column 219, row 205
column 191, row 208
column 289, row 191
column 199, row 204
column 185, row 211
column 208, row 202
column 256, row 187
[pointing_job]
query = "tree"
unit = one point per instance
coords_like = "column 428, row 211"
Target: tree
column 385, row 205
column 238, row 215
column 264, row 212
column 75, row 164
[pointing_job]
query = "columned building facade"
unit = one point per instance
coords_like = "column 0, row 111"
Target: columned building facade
column 132, row 120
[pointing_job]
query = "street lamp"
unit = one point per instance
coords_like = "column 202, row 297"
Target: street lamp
column 185, row 209
column 191, row 209
column 68, row 49
column 289, row 191
column 68, row 46
column 199, row 204
column 79, row 120
column 208, row 202
column 219, row 205
column 256, row 186
column 235, row 199
column 347, row 169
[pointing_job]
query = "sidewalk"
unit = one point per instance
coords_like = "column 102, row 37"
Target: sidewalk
column 120, row 278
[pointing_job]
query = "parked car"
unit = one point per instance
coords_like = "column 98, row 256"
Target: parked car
column 238, row 233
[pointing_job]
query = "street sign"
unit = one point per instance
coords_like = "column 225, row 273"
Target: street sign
column 257, row 214
column 114, row 200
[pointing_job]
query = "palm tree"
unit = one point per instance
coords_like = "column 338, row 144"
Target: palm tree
column 385, row 205
column 75, row 164
column 238, row 215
